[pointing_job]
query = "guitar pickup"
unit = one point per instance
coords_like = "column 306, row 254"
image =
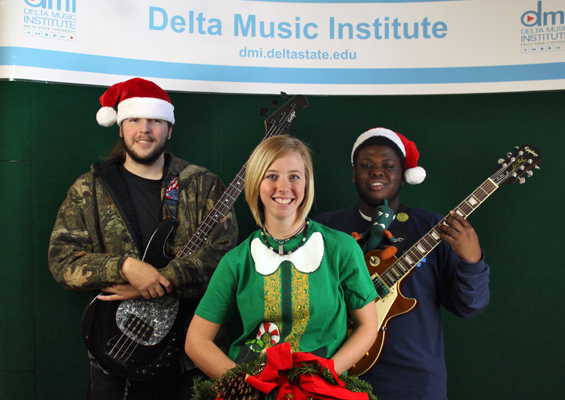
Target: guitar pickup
column 139, row 328
column 381, row 288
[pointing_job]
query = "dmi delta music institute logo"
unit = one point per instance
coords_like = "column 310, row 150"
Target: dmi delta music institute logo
column 50, row 19
column 542, row 30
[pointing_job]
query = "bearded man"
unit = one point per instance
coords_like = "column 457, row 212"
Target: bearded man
column 109, row 217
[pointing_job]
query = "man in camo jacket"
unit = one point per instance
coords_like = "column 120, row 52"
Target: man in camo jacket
column 110, row 213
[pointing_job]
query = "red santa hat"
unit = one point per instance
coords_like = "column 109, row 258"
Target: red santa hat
column 136, row 98
column 413, row 174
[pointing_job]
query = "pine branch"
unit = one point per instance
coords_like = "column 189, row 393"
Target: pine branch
column 209, row 389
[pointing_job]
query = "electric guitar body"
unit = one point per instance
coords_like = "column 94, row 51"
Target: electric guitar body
column 395, row 303
column 139, row 339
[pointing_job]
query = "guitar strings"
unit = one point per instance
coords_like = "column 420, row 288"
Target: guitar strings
column 232, row 192
column 128, row 351
column 197, row 240
column 484, row 187
column 392, row 271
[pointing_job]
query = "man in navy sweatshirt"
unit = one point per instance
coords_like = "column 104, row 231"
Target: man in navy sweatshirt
column 453, row 275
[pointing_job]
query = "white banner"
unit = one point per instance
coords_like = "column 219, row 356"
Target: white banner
column 335, row 47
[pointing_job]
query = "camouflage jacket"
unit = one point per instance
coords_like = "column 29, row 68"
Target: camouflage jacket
column 96, row 231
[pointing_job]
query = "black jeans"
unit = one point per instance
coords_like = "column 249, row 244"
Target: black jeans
column 103, row 385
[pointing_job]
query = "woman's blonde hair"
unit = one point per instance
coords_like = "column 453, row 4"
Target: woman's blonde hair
column 261, row 159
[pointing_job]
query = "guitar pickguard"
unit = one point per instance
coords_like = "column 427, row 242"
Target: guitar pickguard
column 147, row 322
column 383, row 306
column 389, row 306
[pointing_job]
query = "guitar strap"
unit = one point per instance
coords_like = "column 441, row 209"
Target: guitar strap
column 400, row 228
column 172, row 196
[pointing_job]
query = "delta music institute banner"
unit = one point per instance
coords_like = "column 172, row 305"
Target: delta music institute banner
column 332, row 47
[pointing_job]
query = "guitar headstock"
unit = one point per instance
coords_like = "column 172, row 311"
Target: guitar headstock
column 281, row 121
column 518, row 163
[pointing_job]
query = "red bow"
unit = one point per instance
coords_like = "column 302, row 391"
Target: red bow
column 280, row 358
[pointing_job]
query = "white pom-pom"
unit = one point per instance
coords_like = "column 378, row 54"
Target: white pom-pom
column 106, row 116
column 415, row 176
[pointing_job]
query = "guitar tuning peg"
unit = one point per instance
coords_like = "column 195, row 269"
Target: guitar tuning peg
column 264, row 112
column 516, row 147
column 521, row 153
column 522, row 180
column 284, row 95
column 530, row 173
column 537, row 167
column 275, row 103
column 501, row 160
column 508, row 154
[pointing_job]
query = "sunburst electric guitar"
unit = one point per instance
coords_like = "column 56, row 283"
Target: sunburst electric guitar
column 389, row 275
column 141, row 339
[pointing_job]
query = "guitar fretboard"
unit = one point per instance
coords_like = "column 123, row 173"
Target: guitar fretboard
column 220, row 210
column 228, row 198
column 412, row 257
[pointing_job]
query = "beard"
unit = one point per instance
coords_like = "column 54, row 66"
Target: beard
column 150, row 158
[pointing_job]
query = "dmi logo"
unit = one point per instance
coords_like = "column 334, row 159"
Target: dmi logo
column 69, row 5
column 539, row 18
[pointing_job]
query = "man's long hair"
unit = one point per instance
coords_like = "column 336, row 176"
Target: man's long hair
column 118, row 150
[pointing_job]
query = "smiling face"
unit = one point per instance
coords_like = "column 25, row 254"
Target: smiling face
column 378, row 175
column 282, row 189
column 145, row 139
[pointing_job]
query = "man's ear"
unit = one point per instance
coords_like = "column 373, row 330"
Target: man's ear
column 121, row 135
column 170, row 130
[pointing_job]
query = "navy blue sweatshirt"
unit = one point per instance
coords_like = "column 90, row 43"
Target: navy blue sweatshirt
column 412, row 365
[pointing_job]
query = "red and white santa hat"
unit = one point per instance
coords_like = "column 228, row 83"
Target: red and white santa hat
column 413, row 174
column 136, row 98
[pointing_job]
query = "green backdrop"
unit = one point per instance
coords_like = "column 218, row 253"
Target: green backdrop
column 513, row 351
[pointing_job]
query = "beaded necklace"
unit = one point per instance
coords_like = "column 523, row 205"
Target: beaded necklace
column 281, row 252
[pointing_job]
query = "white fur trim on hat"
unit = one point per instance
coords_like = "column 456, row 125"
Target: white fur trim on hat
column 145, row 107
column 378, row 132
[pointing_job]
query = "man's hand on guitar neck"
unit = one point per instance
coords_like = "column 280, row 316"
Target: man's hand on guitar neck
column 144, row 281
column 462, row 238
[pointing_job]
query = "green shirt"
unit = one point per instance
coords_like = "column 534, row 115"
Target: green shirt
column 301, row 298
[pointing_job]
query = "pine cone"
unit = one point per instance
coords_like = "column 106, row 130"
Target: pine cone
column 235, row 388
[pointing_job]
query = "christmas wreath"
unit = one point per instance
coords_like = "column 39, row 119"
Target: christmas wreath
column 282, row 375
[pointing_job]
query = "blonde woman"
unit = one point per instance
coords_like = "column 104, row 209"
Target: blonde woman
column 294, row 280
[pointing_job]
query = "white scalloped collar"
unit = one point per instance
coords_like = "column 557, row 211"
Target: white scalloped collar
column 306, row 259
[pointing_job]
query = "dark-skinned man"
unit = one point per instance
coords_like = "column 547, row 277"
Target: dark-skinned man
column 453, row 276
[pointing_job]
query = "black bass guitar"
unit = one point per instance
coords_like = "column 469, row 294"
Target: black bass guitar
column 389, row 275
column 142, row 339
